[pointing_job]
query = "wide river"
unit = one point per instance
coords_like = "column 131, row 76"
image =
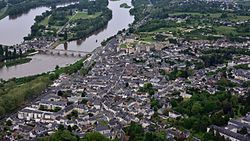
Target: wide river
column 121, row 19
column 13, row 30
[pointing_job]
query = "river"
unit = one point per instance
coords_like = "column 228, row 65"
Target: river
column 39, row 64
column 121, row 19
column 15, row 29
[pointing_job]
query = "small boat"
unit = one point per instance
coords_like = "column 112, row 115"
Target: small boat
column 96, row 41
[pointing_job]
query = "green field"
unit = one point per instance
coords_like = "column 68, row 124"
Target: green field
column 171, row 29
column 239, row 18
column 211, row 15
column 232, row 17
column 84, row 15
column 225, row 30
column 123, row 46
column 45, row 22
column 147, row 37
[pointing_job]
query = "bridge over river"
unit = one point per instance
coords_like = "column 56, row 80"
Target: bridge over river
column 62, row 52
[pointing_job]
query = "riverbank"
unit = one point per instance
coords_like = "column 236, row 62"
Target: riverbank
column 71, row 22
column 50, row 61
column 10, row 25
column 11, row 56
column 17, row 61
column 113, row 27
column 15, row 92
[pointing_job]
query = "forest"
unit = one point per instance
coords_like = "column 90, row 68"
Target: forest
column 204, row 109
column 7, row 54
column 67, row 134
column 2, row 4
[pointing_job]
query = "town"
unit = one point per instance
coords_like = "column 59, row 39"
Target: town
column 122, row 86
column 175, row 79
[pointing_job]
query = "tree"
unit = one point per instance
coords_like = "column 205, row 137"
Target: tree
column 84, row 101
column 74, row 113
column 75, row 127
column 6, row 52
column 60, row 93
column 147, row 88
column 14, row 53
column 227, row 107
column 243, row 131
column 1, row 50
column 155, row 104
column 135, row 132
column 60, row 135
column 224, row 15
column 8, row 122
column 65, row 37
column 83, row 94
column 69, row 128
column 61, row 127
column 196, row 108
column 20, row 53
column 152, row 136
column 95, row 136
column 57, row 67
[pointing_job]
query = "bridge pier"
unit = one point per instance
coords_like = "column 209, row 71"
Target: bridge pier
column 63, row 52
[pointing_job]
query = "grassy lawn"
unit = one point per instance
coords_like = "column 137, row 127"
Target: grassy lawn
column 56, row 27
column 235, row 18
column 239, row 18
column 189, row 13
column 123, row 46
column 57, row 43
column 171, row 29
column 215, row 15
column 45, row 22
column 83, row 15
column 212, row 15
column 147, row 37
column 225, row 30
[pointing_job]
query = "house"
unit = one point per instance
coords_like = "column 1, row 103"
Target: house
column 174, row 114
column 227, row 134
column 52, row 105
column 239, row 125
column 33, row 114
column 103, row 129
column 74, row 99
column 97, row 104
column 246, row 119
column 185, row 95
